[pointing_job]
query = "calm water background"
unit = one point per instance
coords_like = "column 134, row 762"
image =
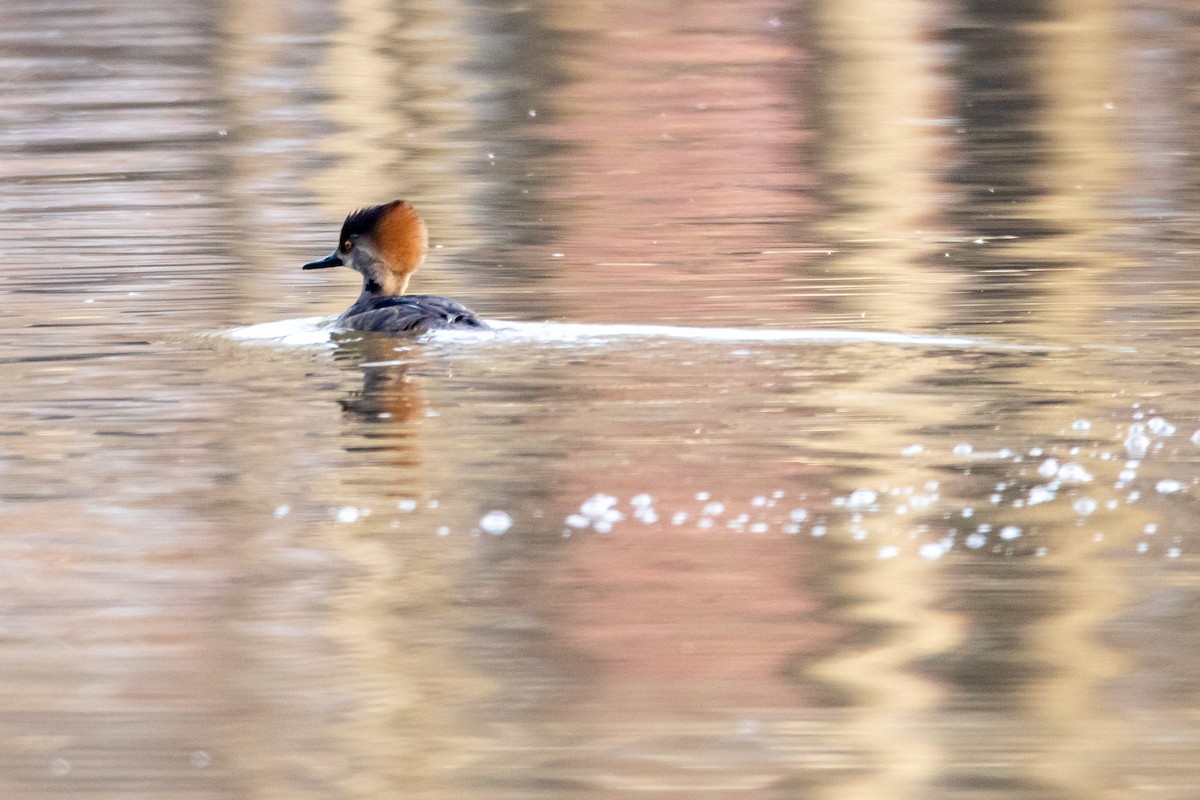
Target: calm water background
column 596, row 567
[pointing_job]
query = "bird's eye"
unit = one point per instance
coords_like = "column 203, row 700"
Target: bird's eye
column 347, row 246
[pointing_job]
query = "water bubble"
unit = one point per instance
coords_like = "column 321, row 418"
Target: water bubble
column 1041, row 552
column 1081, row 425
column 406, row 505
column 963, row 449
column 704, row 523
column 200, row 759
column 1039, row 494
column 641, row 500
column 348, row 514
column 60, row 767
column 495, row 523
column 714, row 509
column 1127, row 475
column 597, row 505
column 282, row 511
column 1048, row 468
column 1174, row 552
column 818, row 530
column 1160, row 427
column 931, row 551
column 968, row 512
column 912, row 450
column 1136, row 445
column 1196, row 438
column 1085, row 506
column 758, row 502
column 862, row 497
column 1168, row 486
column 1143, row 547
column 703, row 496
column 443, row 530
column 889, row 551
column 797, row 515
column 975, row 540
column 1010, row 532
column 1150, row 529
column 679, row 518
column 1073, row 473
column 758, row 527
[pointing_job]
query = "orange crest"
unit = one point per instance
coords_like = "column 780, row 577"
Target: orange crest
column 402, row 237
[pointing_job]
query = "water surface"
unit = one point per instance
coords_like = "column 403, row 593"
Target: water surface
column 838, row 440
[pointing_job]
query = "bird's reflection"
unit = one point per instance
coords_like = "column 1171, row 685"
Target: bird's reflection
column 390, row 399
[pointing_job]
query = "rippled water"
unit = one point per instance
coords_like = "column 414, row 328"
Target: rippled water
column 838, row 437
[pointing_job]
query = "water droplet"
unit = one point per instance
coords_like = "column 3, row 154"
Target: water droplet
column 1085, row 506
column 1010, row 532
column 1168, row 486
column 912, row 450
column 889, row 551
column 963, row 449
column 406, row 506
column 282, row 511
column 348, row 514
column 1081, row 425
column 641, row 500
column 975, row 540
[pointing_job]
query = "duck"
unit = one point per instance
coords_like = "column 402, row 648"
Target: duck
column 386, row 244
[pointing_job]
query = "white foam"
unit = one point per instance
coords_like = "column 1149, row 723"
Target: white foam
column 301, row 332
column 584, row 333
column 316, row 332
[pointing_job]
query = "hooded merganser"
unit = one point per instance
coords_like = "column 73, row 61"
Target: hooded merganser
column 387, row 244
